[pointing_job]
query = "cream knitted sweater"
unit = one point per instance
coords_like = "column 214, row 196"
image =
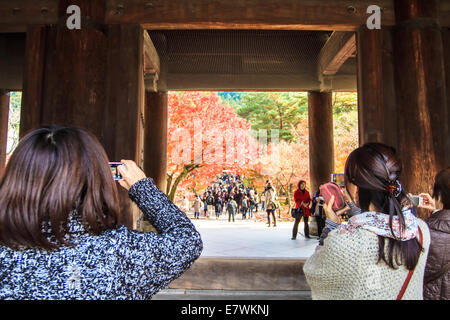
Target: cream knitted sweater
column 346, row 267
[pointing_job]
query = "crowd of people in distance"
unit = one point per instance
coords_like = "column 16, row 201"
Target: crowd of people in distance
column 228, row 195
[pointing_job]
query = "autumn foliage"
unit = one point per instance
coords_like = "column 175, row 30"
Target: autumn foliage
column 209, row 134
column 208, row 137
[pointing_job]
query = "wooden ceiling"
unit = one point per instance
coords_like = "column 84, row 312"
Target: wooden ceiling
column 228, row 45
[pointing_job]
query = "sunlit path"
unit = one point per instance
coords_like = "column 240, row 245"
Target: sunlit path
column 250, row 238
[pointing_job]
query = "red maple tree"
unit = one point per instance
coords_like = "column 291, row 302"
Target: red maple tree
column 205, row 138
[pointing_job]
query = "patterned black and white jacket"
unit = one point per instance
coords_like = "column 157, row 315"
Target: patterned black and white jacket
column 118, row 264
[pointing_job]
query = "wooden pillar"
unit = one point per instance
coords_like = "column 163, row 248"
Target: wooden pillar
column 155, row 137
column 4, row 114
column 321, row 143
column 91, row 78
column 423, row 133
column 64, row 80
column 123, row 118
column 376, row 89
column 446, row 43
column 33, row 78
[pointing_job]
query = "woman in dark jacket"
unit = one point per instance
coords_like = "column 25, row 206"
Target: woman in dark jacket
column 60, row 232
column 437, row 270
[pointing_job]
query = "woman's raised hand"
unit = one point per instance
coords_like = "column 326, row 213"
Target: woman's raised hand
column 428, row 202
column 331, row 215
column 130, row 172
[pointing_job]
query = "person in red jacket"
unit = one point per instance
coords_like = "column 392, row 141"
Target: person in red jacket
column 302, row 200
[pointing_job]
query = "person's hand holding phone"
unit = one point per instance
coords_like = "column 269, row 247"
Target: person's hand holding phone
column 347, row 197
column 331, row 215
column 428, row 202
column 131, row 173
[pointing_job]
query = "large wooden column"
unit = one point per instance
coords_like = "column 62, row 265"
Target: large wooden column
column 423, row 133
column 155, row 138
column 91, row 78
column 321, row 143
column 64, row 73
column 446, row 43
column 4, row 114
column 376, row 89
column 123, row 125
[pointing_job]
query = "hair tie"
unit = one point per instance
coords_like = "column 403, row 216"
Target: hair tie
column 394, row 188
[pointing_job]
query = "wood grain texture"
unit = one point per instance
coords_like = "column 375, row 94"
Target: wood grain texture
column 321, row 141
column 222, row 14
column 151, row 57
column 124, row 103
column 376, row 92
column 446, row 45
column 338, row 48
column 155, row 137
column 246, row 14
column 19, row 13
column 421, row 100
column 33, row 78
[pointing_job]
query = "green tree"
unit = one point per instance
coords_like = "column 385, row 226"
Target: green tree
column 15, row 102
column 274, row 110
column 345, row 115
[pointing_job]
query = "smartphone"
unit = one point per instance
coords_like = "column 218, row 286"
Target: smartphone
column 416, row 200
column 115, row 172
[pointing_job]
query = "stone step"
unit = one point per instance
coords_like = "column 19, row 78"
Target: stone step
column 183, row 294
column 244, row 274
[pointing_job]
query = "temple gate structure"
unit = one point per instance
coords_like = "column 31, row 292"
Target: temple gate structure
column 112, row 75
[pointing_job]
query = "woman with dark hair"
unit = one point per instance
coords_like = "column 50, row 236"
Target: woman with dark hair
column 60, row 232
column 437, row 270
column 381, row 252
column 302, row 201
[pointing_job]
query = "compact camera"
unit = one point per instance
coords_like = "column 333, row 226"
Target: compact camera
column 416, row 200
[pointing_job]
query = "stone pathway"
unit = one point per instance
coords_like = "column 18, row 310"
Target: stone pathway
column 251, row 238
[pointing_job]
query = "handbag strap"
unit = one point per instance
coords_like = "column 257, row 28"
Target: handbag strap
column 410, row 273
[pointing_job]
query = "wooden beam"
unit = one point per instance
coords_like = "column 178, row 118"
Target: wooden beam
column 338, row 48
column 16, row 14
column 227, row 82
column 339, row 82
column 345, row 15
column 340, row 15
column 151, row 57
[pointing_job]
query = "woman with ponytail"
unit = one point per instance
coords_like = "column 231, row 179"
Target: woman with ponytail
column 380, row 253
